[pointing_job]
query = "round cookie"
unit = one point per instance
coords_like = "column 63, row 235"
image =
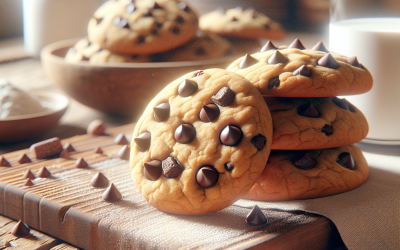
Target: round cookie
column 205, row 46
column 83, row 50
column 311, row 123
column 142, row 27
column 201, row 143
column 241, row 23
column 291, row 175
column 297, row 72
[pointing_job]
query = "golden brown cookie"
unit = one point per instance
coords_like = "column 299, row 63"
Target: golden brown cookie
column 201, row 143
column 291, row 175
column 83, row 50
column 241, row 23
column 298, row 72
column 314, row 123
column 142, row 27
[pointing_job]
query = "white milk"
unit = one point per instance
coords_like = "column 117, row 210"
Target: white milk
column 376, row 43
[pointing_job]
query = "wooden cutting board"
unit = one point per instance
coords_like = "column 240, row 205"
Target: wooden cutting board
column 67, row 207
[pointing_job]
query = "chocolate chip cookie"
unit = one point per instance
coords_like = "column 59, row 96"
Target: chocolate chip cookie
column 201, row 143
column 241, row 23
column 142, row 27
column 295, row 71
column 315, row 123
column 83, row 50
column 291, row 175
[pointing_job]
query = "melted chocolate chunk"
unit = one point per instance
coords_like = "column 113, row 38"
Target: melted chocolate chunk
column 200, row 52
column 229, row 166
column 171, row 167
column 296, row 44
column 306, row 162
column 175, row 30
column 273, row 82
column 112, row 194
column 256, row 217
column 247, row 61
column 327, row 129
column 259, row 141
column 268, row 46
column 320, row 47
column 346, row 160
column 187, row 87
column 143, row 141
column 152, row 170
column 277, row 57
column 308, row 110
column 185, row 133
column 99, row 180
column 161, row 111
column 303, row 71
column 231, row 135
column 224, row 97
column 209, row 112
column 207, row 176
column 328, row 61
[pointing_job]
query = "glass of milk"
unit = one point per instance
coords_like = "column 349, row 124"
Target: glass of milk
column 370, row 30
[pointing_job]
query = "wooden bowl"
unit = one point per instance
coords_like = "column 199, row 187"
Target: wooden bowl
column 21, row 127
column 115, row 88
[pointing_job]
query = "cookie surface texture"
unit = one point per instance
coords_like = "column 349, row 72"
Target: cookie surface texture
column 142, row 27
column 329, row 175
column 241, row 23
column 201, row 143
column 277, row 73
column 315, row 123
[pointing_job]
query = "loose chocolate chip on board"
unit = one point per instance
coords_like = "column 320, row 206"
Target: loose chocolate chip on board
column 124, row 153
column 209, row 112
column 81, row 163
column 256, row 217
column 346, row 160
column 23, row 158
column 4, row 162
column 259, row 141
column 20, row 229
column 296, row 44
column 327, row 129
column 185, row 133
column 99, row 180
column 187, row 87
column 268, row 46
column 207, row 176
column 28, row 183
column 224, row 97
column 320, row 47
column 229, row 166
column 308, row 110
column 98, row 150
column 68, row 147
column 143, row 141
column 161, row 111
column 247, row 61
column 303, row 71
column 152, row 170
column 121, row 139
column 171, row 167
column 306, row 162
column 112, row 194
column 328, row 61
column 273, row 82
column 43, row 173
column 28, row 175
column 277, row 57
column 231, row 135
column 96, row 127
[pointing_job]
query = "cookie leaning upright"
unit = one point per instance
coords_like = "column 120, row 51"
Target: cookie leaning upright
column 201, row 143
column 142, row 27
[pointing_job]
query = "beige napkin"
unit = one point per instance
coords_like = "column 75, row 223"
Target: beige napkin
column 367, row 217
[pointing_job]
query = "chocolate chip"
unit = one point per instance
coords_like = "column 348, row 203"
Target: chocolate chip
column 84, row 58
column 308, row 110
column 354, row 62
column 20, row 229
column 28, row 183
column 98, row 20
column 140, row 40
column 121, row 22
column 229, row 166
column 143, row 141
column 98, row 150
column 124, row 153
column 179, row 20
column 327, row 129
column 152, row 170
column 81, row 163
column 28, row 175
column 112, row 194
column 274, row 81
column 268, row 46
column 96, row 127
column 328, row 61
column 209, row 112
column 256, row 217
column 296, row 44
column 183, row 6
column 277, row 57
column 351, row 108
column 161, row 111
column 200, row 52
column 303, row 71
column 4, row 162
column 187, row 87
column 266, row 26
column 306, row 162
column 207, row 176
column 346, row 160
column 247, row 61
column 130, row 8
column 320, row 47
column 99, row 180
column 23, row 158
column 121, row 139
column 224, row 97
column 230, row 135
column 342, row 103
column 185, row 133
column 43, row 173
column 259, row 141
column 68, row 147
column 175, row 30
column 158, row 25
column 64, row 154
column 171, row 167
column 234, row 19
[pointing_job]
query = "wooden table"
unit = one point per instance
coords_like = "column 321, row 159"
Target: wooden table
column 293, row 230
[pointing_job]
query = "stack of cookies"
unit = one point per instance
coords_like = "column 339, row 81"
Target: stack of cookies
column 167, row 30
column 314, row 131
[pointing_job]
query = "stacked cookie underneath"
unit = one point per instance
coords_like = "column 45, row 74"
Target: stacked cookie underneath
column 314, row 131
column 168, row 31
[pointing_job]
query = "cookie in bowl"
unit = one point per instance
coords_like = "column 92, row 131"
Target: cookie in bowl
column 201, row 143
